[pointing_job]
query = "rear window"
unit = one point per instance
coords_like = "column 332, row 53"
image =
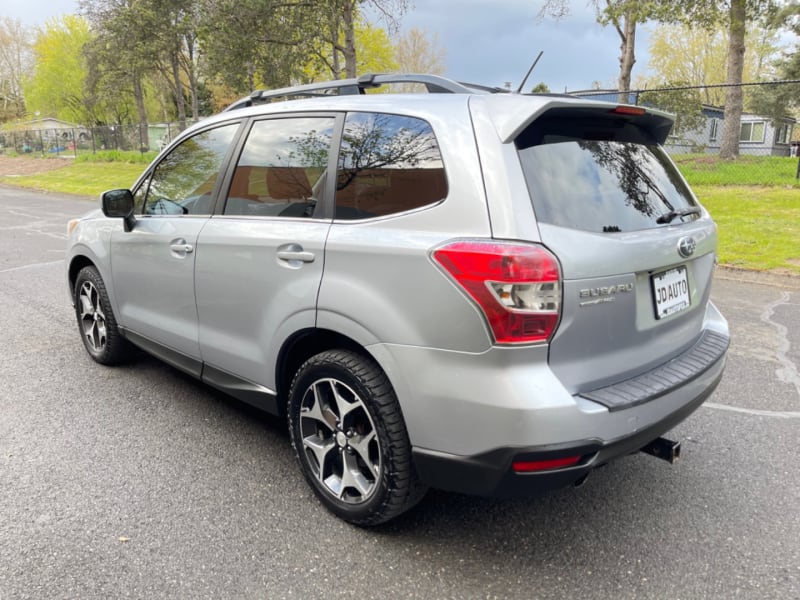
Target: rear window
column 600, row 175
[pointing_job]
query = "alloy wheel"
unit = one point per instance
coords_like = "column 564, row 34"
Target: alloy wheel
column 340, row 441
column 93, row 319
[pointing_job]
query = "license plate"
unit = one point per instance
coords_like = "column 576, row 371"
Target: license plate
column 670, row 292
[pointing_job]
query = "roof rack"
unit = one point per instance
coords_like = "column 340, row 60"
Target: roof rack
column 434, row 84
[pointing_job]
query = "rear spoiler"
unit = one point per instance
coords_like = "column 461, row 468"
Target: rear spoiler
column 511, row 114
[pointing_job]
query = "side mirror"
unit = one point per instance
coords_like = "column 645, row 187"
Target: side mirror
column 119, row 204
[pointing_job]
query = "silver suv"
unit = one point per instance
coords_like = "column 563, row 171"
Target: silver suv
column 480, row 292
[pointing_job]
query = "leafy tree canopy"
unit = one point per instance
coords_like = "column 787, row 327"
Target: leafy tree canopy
column 56, row 87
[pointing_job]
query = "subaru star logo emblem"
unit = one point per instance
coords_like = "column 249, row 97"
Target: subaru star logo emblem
column 686, row 246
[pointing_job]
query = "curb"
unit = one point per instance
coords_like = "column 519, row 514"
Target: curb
column 781, row 280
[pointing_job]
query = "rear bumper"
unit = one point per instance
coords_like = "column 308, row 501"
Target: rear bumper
column 491, row 473
column 470, row 416
column 598, row 427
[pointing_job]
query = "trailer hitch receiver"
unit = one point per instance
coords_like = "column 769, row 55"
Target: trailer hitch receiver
column 664, row 449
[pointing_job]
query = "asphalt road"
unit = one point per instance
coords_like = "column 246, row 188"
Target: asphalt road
column 138, row 482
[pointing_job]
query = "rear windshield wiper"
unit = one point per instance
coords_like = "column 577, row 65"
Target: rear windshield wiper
column 668, row 217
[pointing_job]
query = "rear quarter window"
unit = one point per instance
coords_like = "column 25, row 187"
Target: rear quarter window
column 388, row 164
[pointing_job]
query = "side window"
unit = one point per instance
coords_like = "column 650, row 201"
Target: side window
column 712, row 134
column 282, row 169
column 387, row 164
column 183, row 182
column 752, row 132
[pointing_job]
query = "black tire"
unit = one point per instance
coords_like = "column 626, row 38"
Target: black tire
column 350, row 438
column 96, row 322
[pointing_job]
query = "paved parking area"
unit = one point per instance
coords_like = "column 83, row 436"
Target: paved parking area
column 138, row 482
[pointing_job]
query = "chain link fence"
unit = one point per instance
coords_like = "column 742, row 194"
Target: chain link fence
column 768, row 145
column 71, row 141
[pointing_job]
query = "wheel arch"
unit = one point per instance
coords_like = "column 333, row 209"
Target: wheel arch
column 301, row 346
column 77, row 263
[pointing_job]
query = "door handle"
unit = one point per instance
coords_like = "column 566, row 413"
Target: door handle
column 294, row 253
column 301, row 255
column 181, row 248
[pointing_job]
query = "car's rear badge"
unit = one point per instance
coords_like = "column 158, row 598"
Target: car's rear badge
column 602, row 295
column 686, row 246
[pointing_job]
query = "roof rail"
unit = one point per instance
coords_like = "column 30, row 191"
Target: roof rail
column 435, row 84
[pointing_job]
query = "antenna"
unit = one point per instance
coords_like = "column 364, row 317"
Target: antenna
column 528, row 74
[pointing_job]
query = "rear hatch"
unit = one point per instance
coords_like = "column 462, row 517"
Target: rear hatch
column 636, row 250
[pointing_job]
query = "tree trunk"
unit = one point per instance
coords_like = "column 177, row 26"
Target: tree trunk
column 191, row 73
column 627, row 57
column 348, row 22
column 336, row 67
column 731, row 130
column 138, row 95
column 333, row 27
column 178, row 90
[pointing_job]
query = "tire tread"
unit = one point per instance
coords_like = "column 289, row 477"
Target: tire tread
column 404, row 488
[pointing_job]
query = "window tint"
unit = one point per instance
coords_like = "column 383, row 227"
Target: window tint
column 282, row 169
column 387, row 164
column 183, row 182
column 603, row 186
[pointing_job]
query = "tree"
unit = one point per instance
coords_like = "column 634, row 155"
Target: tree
column 734, row 97
column 624, row 16
column 273, row 43
column 680, row 52
column 57, row 85
column 734, row 15
column 417, row 51
column 249, row 44
column 374, row 50
column 16, row 59
column 781, row 100
column 145, row 42
column 120, row 56
column 339, row 29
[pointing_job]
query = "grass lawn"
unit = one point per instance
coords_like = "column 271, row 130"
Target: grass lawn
column 82, row 178
column 707, row 169
column 759, row 227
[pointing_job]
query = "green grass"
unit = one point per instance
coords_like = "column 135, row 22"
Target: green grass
column 706, row 169
column 124, row 156
column 81, row 178
column 759, row 227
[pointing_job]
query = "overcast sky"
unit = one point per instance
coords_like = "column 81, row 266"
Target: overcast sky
column 486, row 41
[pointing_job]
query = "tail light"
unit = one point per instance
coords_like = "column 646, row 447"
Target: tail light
column 517, row 286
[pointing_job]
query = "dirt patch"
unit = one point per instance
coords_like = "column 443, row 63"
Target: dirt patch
column 30, row 165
